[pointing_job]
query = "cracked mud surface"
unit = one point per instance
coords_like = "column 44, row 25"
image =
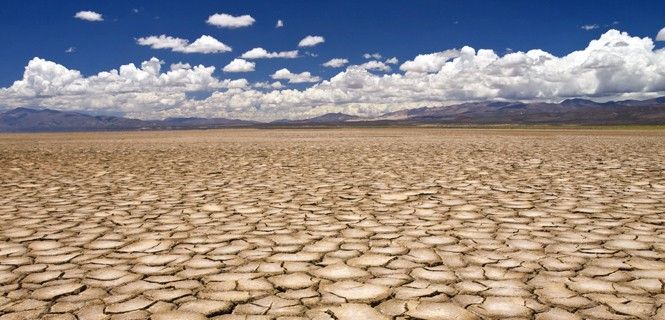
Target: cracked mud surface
column 333, row 224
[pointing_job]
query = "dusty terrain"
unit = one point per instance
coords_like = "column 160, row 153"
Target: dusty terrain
column 333, row 224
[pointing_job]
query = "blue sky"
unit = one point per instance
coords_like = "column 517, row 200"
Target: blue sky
column 401, row 29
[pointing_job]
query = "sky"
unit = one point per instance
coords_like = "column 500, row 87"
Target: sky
column 268, row 60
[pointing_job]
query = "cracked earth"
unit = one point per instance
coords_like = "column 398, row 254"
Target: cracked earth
column 333, row 224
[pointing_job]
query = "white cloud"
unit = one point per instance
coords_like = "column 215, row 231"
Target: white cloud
column 375, row 65
column 239, row 65
column 204, row 44
column 43, row 77
column 89, row 16
column 431, row 62
column 285, row 74
column 310, row 41
column 70, row 50
column 376, row 56
column 589, row 27
column 162, row 42
column 661, row 35
column 223, row 20
column 260, row 53
column 269, row 85
column 279, row 24
column 335, row 63
column 392, row 60
column 180, row 66
column 130, row 89
column 615, row 66
column 236, row 84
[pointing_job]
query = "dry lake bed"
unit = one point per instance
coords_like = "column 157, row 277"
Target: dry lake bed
column 333, row 224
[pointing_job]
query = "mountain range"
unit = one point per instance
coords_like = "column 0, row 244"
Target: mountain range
column 28, row 119
column 571, row 111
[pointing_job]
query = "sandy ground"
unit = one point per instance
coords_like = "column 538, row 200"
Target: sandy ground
column 333, row 224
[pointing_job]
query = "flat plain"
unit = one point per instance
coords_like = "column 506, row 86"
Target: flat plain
column 381, row 223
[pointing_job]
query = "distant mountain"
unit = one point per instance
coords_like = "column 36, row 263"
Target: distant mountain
column 328, row 118
column 27, row 119
column 203, row 122
column 570, row 111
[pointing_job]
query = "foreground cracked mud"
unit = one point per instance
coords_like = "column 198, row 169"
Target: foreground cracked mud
column 333, row 224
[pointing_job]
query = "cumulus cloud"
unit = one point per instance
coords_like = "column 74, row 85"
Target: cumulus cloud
column 180, row 65
column 162, row 42
column 431, row 62
column 260, row 53
column 129, row 89
column 375, row 55
column 375, row 65
column 279, row 24
column 335, row 63
column 269, row 85
column 239, row 65
column 223, row 20
column 310, row 41
column 392, row 60
column 285, row 74
column 661, row 35
column 89, row 16
column 204, row 44
column 235, row 84
column 615, row 66
column 589, row 27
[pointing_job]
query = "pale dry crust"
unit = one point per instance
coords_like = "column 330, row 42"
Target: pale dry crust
column 333, row 224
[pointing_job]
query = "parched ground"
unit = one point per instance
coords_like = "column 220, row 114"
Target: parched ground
column 333, row 224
